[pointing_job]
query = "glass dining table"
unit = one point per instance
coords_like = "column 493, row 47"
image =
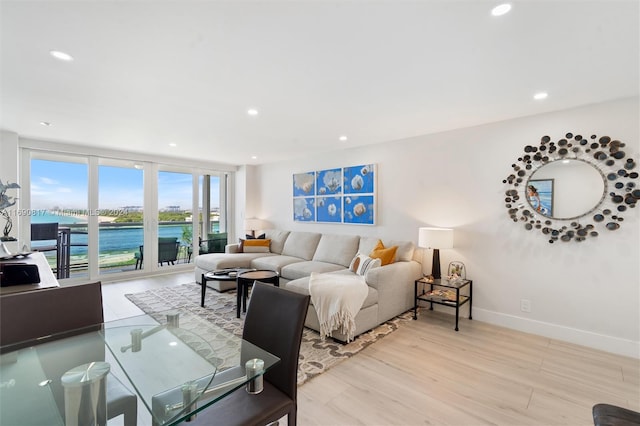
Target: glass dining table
column 176, row 362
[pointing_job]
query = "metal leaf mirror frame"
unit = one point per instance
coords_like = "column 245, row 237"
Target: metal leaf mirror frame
column 605, row 155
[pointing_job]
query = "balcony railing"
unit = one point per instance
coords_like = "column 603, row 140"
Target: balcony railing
column 118, row 245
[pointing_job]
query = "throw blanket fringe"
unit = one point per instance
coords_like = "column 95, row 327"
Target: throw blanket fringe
column 337, row 300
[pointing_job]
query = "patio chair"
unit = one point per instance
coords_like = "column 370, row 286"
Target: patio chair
column 215, row 243
column 139, row 257
column 168, row 248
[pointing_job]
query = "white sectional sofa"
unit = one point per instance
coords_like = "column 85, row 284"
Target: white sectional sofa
column 294, row 255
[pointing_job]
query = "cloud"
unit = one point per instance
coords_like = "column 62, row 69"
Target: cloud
column 48, row 181
column 63, row 189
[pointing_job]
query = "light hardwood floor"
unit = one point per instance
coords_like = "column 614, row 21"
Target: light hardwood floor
column 425, row 373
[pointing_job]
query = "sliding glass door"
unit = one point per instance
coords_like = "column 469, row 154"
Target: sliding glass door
column 120, row 217
column 175, row 218
column 116, row 216
column 59, row 214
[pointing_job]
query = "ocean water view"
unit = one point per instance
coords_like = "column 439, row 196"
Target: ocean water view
column 118, row 242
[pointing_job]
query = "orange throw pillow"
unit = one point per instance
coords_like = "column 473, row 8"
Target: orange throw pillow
column 386, row 255
column 255, row 246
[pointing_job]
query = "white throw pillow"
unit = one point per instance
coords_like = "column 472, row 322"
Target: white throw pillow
column 362, row 263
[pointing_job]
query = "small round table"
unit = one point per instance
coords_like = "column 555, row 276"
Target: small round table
column 226, row 274
column 246, row 279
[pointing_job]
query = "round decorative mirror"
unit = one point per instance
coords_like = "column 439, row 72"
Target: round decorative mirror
column 561, row 187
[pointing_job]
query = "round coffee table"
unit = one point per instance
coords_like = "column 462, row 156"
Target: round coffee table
column 247, row 278
column 226, row 274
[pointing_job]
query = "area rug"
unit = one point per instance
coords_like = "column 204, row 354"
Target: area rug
column 316, row 356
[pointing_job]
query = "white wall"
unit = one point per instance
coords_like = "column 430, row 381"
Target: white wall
column 586, row 293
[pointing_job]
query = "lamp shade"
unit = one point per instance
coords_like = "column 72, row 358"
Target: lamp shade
column 253, row 224
column 436, row 238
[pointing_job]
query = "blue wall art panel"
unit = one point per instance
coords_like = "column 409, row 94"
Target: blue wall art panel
column 359, row 179
column 359, row 209
column 329, row 209
column 304, row 209
column 329, row 182
column 338, row 195
column 304, row 184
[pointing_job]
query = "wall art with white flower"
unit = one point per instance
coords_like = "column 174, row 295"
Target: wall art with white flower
column 338, row 195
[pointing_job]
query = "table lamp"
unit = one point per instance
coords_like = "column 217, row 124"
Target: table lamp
column 436, row 239
column 253, row 224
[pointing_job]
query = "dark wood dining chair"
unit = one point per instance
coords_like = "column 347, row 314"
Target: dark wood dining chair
column 274, row 322
column 27, row 318
column 612, row 415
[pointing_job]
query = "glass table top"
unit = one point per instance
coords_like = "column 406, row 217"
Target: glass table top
column 178, row 363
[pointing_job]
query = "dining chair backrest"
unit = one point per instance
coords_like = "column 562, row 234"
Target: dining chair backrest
column 63, row 312
column 274, row 322
column 34, row 314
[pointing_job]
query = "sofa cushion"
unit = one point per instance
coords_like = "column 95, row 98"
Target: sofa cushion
column 338, row 249
column 301, row 286
column 404, row 252
column 367, row 244
column 274, row 263
column 277, row 240
column 301, row 244
column 405, row 249
column 213, row 261
column 304, row 269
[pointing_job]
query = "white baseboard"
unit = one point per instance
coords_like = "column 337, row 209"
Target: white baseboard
column 579, row 337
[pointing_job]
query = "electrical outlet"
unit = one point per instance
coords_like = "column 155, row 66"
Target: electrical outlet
column 525, row 305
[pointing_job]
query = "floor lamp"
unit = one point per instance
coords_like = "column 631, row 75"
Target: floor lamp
column 436, row 239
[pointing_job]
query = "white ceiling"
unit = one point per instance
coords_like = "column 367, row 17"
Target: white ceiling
column 150, row 73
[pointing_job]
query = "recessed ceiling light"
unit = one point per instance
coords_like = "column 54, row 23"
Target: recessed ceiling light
column 254, row 157
column 61, row 55
column 45, row 123
column 540, row 95
column 252, row 111
column 343, row 138
column 501, row 9
column 173, row 145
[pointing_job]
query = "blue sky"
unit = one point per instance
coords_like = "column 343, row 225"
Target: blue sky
column 64, row 185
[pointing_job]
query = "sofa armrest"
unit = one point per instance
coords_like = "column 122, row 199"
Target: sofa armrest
column 232, row 248
column 395, row 285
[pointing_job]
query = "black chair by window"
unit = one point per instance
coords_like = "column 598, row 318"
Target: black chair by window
column 274, row 322
column 139, row 257
column 215, row 243
column 168, row 248
column 47, row 232
column 26, row 317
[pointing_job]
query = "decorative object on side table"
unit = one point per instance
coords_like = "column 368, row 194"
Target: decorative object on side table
column 7, row 201
column 456, row 272
column 436, row 239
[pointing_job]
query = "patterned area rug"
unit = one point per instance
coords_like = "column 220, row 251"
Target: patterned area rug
column 316, row 356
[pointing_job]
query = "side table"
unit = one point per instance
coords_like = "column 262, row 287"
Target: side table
column 446, row 293
column 246, row 279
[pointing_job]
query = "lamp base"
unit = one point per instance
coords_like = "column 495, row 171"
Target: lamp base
column 435, row 265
